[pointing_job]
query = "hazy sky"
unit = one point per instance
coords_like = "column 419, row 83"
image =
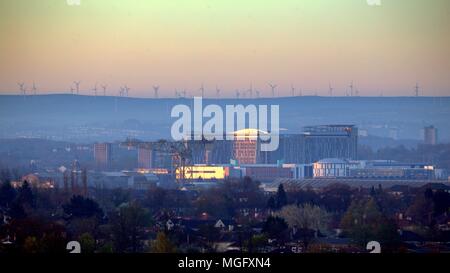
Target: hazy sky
column 230, row 43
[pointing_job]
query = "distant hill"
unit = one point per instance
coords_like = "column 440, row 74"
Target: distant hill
column 88, row 118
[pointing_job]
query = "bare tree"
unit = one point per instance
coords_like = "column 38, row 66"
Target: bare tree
column 306, row 220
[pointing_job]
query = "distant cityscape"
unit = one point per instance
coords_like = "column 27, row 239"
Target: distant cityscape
column 326, row 152
column 243, row 129
column 321, row 161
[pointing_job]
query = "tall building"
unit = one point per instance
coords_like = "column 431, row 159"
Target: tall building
column 161, row 159
column 430, row 135
column 329, row 141
column 245, row 146
column 290, row 150
column 313, row 144
column 211, row 152
column 103, row 155
column 144, row 158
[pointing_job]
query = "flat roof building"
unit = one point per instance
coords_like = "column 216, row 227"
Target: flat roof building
column 103, row 155
column 145, row 158
column 329, row 141
column 430, row 135
column 313, row 144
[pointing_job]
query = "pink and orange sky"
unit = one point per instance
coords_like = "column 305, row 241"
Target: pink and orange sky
column 181, row 44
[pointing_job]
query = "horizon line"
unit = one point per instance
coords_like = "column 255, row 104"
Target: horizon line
column 227, row 97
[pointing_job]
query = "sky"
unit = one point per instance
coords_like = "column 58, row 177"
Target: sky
column 232, row 44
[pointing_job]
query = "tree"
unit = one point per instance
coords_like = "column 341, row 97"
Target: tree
column 31, row 245
column 162, row 244
column 361, row 220
column 259, row 241
column 389, row 204
column 441, row 200
column 78, row 226
column 120, row 196
column 388, row 235
column 107, row 247
column 87, row 243
column 308, row 219
column 280, row 199
column 422, row 208
column 248, row 190
column 128, row 225
column 364, row 222
column 305, row 196
column 156, row 198
column 53, row 239
column 17, row 211
column 7, row 194
column 38, row 235
column 336, row 197
column 216, row 203
column 83, row 207
column 275, row 227
column 305, row 216
column 271, row 204
column 25, row 195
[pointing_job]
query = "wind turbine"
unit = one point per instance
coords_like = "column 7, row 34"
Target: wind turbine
column 202, row 88
column 95, row 89
column 34, row 89
column 330, row 90
column 126, row 89
column 351, row 89
column 104, row 89
column 273, row 87
column 238, row 94
column 250, row 91
column 116, row 99
column 23, row 90
column 257, row 94
column 217, row 92
column 293, row 90
column 155, row 91
column 77, row 86
column 180, row 94
column 416, row 89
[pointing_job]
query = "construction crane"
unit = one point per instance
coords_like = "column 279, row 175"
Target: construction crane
column 179, row 152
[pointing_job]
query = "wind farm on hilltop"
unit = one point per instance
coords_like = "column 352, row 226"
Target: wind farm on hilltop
column 271, row 91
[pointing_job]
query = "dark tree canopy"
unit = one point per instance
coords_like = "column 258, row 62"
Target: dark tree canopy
column 7, row 194
column 82, row 207
column 26, row 195
column 275, row 227
column 281, row 198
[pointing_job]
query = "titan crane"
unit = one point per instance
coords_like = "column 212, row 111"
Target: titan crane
column 177, row 150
